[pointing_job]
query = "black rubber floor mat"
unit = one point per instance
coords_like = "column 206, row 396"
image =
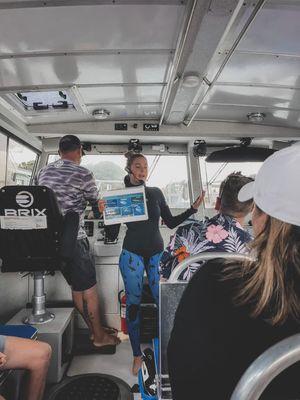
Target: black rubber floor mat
column 91, row 387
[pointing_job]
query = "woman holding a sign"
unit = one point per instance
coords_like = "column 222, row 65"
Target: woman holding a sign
column 143, row 246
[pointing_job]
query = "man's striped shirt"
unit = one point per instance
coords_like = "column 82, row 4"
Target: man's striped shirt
column 73, row 185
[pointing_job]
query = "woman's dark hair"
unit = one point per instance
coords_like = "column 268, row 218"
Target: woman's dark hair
column 131, row 156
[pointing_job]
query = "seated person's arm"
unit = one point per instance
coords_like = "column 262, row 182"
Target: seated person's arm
column 172, row 255
column 181, row 246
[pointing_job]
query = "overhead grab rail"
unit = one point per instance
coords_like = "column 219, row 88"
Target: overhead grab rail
column 266, row 367
column 204, row 257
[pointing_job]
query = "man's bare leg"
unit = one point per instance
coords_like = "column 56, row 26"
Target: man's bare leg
column 33, row 356
column 88, row 305
column 78, row 301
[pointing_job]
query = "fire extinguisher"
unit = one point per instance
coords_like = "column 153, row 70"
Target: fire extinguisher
column 122, row 301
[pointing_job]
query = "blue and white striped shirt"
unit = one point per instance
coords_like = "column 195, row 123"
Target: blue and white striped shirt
column 73, row 185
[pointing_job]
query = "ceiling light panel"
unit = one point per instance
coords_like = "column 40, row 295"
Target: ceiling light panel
column 249, row 95
column 129, row 111
column 261, row 69
column 276, row 117
column 276, row 16
column 110, row 26
column 59, row 70
column 121, row 94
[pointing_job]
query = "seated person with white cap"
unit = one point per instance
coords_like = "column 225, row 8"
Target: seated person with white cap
column 235, row 311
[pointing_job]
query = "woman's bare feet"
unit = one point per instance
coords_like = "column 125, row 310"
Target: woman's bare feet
column 137, row 363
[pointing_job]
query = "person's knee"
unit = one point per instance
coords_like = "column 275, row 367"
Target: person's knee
column 41, row 355
column 133, row 311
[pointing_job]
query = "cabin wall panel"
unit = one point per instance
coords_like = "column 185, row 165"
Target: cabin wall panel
column 13, row 294
column 108, row 287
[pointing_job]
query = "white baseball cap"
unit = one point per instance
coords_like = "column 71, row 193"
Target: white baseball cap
column 276, row 189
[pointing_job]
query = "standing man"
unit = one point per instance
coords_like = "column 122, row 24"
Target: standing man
column 74, row 186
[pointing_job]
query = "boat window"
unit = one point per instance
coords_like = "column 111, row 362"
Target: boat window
column 3, row 149
column 20, row 163
column 213, row 174
column 169, row 173
column 108, row 170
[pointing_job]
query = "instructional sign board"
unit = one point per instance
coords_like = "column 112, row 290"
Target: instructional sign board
column 125, row 205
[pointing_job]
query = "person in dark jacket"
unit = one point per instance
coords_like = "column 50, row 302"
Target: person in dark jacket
column 143, row 246
column 231, row 313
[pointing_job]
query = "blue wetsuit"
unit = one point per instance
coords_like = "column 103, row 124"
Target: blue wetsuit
column 142, row 249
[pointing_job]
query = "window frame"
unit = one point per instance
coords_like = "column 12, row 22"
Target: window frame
column 180, row 149
column 11, row 136
column 203, row 174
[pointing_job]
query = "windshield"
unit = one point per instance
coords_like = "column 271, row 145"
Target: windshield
column 169, row 173
column 212, row 175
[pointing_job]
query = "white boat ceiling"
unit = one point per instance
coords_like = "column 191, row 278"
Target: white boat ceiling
column 196, row 67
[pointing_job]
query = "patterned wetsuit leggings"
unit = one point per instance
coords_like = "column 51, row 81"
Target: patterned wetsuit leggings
column 132, row 268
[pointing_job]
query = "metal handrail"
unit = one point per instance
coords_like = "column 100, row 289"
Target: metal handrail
column 205, row 257
column 266, row 367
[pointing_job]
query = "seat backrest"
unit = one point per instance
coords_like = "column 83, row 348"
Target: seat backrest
column 266, row 367
column 170, row 295
column 30, row 229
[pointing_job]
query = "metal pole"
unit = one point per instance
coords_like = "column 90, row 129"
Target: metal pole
column 177, row 56
column 39, row 313
column 38, row 298
column 252, row 17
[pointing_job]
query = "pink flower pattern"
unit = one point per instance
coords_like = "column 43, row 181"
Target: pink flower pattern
column 220, row 233
column 216, row 233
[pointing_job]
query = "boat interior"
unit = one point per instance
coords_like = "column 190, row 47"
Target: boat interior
column 202, row 87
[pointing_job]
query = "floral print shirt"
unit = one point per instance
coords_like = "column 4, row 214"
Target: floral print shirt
column 220, row 233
